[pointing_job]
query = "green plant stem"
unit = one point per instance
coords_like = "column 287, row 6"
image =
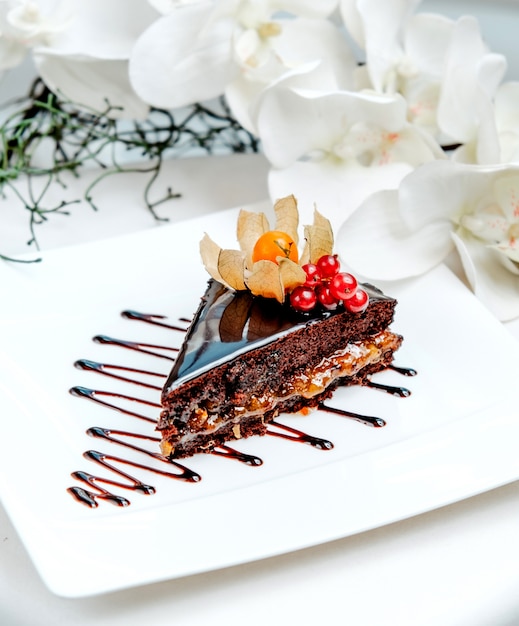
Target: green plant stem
column 75, row 136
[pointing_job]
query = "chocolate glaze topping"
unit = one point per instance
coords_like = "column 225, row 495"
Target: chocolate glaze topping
column 228, row 324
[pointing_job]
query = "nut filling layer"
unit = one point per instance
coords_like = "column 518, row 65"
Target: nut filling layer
column 347, row 362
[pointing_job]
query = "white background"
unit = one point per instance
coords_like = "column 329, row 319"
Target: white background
column 458, row 565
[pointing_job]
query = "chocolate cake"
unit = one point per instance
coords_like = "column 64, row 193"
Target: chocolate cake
column 246, row 359
column 275, row 333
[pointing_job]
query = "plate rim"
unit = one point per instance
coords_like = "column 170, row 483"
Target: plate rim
column 439, row 447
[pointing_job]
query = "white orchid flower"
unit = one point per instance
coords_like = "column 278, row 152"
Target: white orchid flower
column 77, row 54
column 201, row 50
column 303, row 41
column 465, row 110
column 439, row 207
column 342, row 143
column 380, row 29
column 404, row 52
column 442, row 68
column 25, row 24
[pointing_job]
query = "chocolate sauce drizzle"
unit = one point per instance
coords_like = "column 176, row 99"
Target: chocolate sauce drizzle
column 368, row 420
column 93, row 394
column 405, row 371
column 401, row 392
column 94, row 488
column 231, row 453
column 107, row 370
column 153, row 319
column 275, row 429
column 138, row 347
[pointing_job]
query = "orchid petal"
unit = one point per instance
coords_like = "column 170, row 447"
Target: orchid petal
column 303, row 40
column 508, row 264
column 353, row 21
column 34, row 23
column 438, row 191
column 373, row 146
column 248, row 46
column 467, row 263
column 383, row 22
column 279, row 114
column 495, row 286
column 12, row 53
column 509, row 146
column 420, row 72
column 484, row 147
column 416, row 147
column 507, row 106
column 173, row 64
column 335, row 190
column 470, row 79
column 508, row 253
column 94, row 84
column 241, row 94
column 491, row 71
column 304, row 45
column 24, row 25
column 293, row 123
column 466, row 153
column 425, row 41
column 248, row 95
column 111, row 37
column 506, row 193
column 488, row 150
column 305, row 8
column 487, row 225
column 377, row 245
column 167, row 6
column 422, row 95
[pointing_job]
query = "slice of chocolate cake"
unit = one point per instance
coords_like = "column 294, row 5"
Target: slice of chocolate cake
column 274, row 333
column 246, row 359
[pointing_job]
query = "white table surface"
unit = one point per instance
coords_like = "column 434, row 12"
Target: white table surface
column 458, row 565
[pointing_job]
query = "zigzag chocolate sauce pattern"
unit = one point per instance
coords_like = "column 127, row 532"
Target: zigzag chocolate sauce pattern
column 94, row 488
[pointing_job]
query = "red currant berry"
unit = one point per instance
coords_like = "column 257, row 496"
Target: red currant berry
column 325, row 297
column 313, row 277
column 328, row 265
column 343, row 286
column 303, row 298
column 358, row 302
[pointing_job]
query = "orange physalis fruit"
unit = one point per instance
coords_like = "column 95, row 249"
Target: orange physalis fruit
column 274, row 244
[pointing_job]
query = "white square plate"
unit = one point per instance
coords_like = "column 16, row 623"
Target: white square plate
column 452, row 438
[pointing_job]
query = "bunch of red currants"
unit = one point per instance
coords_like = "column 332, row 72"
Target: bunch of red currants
column 327, row 286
